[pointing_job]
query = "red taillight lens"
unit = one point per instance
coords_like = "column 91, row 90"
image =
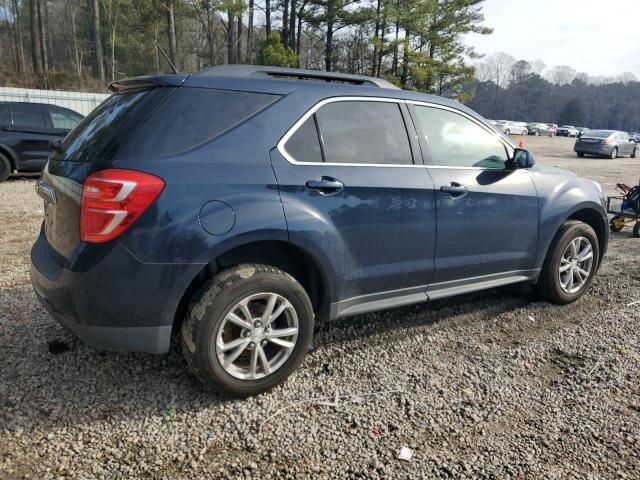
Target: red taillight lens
column 604, row 142
column 112, row 200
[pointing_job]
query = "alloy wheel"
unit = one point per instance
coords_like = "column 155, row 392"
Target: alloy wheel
column 575, row 265
column 257, row 336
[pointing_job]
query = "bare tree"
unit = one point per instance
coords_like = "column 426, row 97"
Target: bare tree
column 97, row 39
column 36, row 48
column 561, row 75
column 171, row 32
column 43, row 36
column 18, row 37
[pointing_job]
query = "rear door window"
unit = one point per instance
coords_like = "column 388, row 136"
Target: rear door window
column 364, row 132
column 191, row 117
column 29, row 116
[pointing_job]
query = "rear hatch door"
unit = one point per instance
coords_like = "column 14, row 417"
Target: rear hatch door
column 90, row 147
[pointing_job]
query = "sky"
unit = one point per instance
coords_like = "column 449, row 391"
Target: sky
column 599, row 37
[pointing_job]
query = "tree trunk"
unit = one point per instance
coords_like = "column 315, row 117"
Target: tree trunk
column 299, row 32
column 157, row 49
column 36, row 49
column 250, row 32
column 231, row 37
column 284, row 35
column 376, row 40
column 76, row 50
column 49, row 37
column 171, row 33
column 19, row 40
column 383, row 30
column 267, row 13
column 328, row 53
column 292, row 26
column 405, row 61
column 97, row 40
column 43, row 39
column 239, row 51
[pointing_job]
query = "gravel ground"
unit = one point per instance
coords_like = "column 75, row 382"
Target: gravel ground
column 491, row 385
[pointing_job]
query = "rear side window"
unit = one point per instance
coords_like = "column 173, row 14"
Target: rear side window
column 105, row 130
column 364, row 132
column 28, row 116
column 64, row 119
column 304, row 144
column 191, row 117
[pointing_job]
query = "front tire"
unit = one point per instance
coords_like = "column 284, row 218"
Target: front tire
column 571, row 263
column 636, row 152
column 580, row 154
column 247, row 330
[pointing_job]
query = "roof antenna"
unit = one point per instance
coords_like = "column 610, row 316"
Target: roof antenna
column 173, row 67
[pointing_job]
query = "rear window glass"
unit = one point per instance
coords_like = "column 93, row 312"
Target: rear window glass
column 191, row 117
column 102, row 133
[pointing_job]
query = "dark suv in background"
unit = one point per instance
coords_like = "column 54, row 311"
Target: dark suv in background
column 26, row 130
column 239, row 205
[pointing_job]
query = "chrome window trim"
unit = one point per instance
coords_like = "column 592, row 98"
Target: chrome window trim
column 294, row 128
column 283, row 151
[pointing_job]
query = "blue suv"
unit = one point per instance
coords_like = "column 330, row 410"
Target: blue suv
column 238, row 205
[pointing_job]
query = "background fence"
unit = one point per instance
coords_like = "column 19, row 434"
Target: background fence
column 80, row 102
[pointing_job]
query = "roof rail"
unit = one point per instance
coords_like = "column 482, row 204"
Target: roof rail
column 298, row 73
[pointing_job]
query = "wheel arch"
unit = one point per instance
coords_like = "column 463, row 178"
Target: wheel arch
column 10, row 154
column 594, row 219
column 298, row 262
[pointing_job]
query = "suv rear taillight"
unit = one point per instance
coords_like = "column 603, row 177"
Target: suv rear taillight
column 112, row 200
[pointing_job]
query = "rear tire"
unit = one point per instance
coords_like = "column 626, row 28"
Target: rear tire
column 236, row 306
column 5, row 168
column 507, row 132
column 614, row 153
column 636, row 230
column 549, row 283
column 580, row 154
column 636, row 152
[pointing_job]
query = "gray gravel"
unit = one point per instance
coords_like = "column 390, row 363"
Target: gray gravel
column 490, row 385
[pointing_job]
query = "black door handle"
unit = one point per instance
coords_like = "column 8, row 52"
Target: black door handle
column 454, row 190
column 326, row 185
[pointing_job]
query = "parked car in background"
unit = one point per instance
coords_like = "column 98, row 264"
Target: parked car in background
column 26, row 130
column 540, row 129
column 582, row 131
column 567, row 131
column 607, row 143
column 513, row 128
column 553, row 127
column 635, row 136
column 240, row 205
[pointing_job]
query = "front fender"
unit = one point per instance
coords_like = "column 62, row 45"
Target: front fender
column 563, row 196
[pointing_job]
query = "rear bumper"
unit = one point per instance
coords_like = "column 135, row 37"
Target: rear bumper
column 120, row 304
column 594, row 149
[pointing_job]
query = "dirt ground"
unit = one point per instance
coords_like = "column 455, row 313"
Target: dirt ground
column 496, row 384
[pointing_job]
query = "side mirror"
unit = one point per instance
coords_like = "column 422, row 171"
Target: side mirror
column 521, row 159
